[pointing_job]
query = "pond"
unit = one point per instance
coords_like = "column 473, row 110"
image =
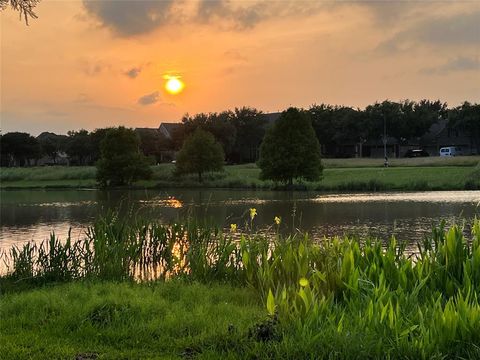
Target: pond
column 33, row 214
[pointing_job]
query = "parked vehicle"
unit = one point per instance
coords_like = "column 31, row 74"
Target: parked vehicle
column 451, row 151
column 416, row 153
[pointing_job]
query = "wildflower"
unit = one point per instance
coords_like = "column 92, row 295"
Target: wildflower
column 277, row 220
column 233, row 227
column 253, row 213
column 303, row 282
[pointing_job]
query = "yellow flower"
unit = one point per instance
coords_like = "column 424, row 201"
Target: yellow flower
column 253, row 213
column 303, row 282
column 233, row 227
column 277, row 220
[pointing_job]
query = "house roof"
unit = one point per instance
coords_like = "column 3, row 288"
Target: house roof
column 170, row 126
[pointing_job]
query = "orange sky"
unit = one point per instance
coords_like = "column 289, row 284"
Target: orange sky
column 85, row 64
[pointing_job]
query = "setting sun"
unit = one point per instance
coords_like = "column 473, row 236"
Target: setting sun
column 174, row 85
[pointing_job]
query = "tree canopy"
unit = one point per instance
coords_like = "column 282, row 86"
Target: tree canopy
column 290, row 149
column 200, row 153
column 121, row 162
column 18, row 148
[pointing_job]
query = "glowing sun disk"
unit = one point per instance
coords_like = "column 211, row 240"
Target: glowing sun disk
column 174, row 85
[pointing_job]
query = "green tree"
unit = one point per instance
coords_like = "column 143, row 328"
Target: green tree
column 200, row 153
column 121, row 162
column 250, row 130
column 51, row 144
column 466, row 117
column 18, row 149
column 290, row 149
column 219, row 124
column 79, row 147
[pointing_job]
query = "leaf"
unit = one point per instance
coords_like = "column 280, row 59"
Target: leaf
column 270, row 303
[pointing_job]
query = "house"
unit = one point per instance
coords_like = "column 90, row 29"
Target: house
column 168, row 129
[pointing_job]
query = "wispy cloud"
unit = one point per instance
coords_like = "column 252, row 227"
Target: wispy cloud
column 458, row 30
column 454, row 65
column 149, row 99
column 133, row 72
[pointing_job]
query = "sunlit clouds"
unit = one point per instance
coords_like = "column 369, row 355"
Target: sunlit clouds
column 115, row 56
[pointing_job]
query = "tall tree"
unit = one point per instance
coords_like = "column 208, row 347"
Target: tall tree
column 52, row 144
column 466, row 117
column 290, row 149
column 121, row 161
column 18, row 148
column 200, row 153
column 79, row 147
column 249, row 124
column 218, row 124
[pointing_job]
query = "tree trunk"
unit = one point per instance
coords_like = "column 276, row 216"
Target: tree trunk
column 199, row 176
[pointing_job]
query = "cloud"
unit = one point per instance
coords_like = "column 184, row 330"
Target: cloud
column 130, row 17
column 457, row 30
column 149, row 98
column 93, row 67
column 133, row 72
column 127, row 18
column 455, row 65
column 242, row 17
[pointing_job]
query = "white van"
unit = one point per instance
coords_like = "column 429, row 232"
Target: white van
column 451, row 151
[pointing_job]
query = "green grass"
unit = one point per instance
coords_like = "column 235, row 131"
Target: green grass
column 126, row 320
column 339, row 175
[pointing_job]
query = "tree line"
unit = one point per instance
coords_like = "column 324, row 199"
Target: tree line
column 241, row 131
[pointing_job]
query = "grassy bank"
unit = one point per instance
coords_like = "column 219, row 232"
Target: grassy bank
column 263, row 296
column 339, row 175
column 126, row 321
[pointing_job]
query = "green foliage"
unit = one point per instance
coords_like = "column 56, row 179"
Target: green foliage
column 121, row 162
column 17, row 149
column 79, row 147
column 200, row 153
column 51, row 144
column 290, row 149
column 467, row 118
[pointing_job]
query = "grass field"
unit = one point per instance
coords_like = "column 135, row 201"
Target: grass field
column 125, row 320
column 339, row 175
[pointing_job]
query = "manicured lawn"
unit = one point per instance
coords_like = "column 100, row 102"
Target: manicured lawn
column 339, row 175
column 126, row 320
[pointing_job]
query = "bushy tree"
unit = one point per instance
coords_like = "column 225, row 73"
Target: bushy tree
column 200, row 153
column 79, row 147
column 466, row 117
column 121, row 162
column 219, row 124
column 250, row 130
column 18, row 148
column 52, row 144
column 290, row 149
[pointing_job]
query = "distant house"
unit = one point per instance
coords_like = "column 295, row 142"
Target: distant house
column 168, row 129
column 441, row 135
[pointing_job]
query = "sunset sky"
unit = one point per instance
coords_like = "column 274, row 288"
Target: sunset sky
column 91, row 64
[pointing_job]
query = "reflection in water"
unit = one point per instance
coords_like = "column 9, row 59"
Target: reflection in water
column 169, row 202
column 33, row 215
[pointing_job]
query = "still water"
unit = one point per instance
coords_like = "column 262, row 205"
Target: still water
column 33, row 215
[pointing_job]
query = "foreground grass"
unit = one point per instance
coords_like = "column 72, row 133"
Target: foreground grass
column 339, row 175
column 126, row 320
